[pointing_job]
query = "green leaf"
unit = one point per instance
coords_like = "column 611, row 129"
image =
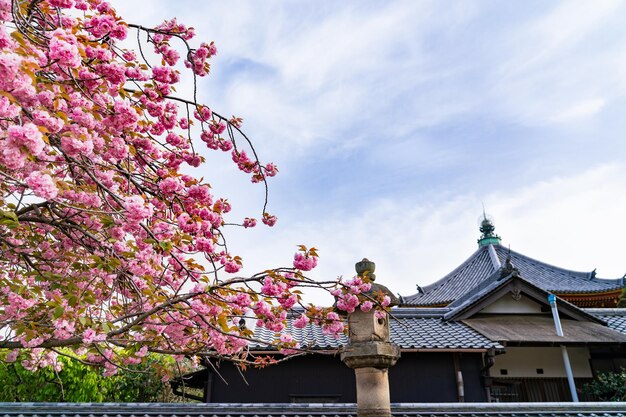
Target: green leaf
column 166, row 246
column 58, row 312
column 9, row 214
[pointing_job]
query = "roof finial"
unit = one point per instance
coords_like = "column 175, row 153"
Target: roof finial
column 365, row 268
column 487, row 229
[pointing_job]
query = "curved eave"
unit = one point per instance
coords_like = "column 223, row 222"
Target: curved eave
column 505, row 251
column 591, row 294
column 583, row 275
column 433, row 305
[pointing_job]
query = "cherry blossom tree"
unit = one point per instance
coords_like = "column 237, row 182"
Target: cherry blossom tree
column 109, row 248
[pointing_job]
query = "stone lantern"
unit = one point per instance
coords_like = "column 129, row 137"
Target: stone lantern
column 370, row 352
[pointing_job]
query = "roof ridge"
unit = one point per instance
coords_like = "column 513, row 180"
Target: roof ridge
column 606, row 311
column 551, row 266
column 493, row 255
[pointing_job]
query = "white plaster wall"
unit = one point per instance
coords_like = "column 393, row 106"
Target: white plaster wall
column 522, row 362
column 507, row 305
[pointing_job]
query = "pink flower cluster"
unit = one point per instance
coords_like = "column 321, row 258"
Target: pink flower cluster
column 105, row 24
column 271, row 170
column 304, row 261
column 90, row 336
column 203, row 113
column 21, row 141
column 272, row 288
column 171, row 185
column 347, row 302
column 124, row 117
column 366, row 306
column 64, row 49
column 231, row 267
column 248, row 222
column 61, row 3
column 356, row 285
column 63, row 329
column 40, row 358
column 288, row 345
column 268, row 318
column 167, row 30
column 16, row 306
column 347, row 297
column 42, row 185
column 333, row 325
column 301, row 322
column 136, row 209
column 269, row 219
column 165, row 75
column 197, row 60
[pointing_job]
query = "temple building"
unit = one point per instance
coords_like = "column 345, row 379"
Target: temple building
column 485, row 332
column 582, row 289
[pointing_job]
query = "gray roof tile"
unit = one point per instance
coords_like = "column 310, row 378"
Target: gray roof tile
column 434, row 333
column 421, row 328
column 410, row 329
column 614, row 317
column 310, row 410
column 479, row 266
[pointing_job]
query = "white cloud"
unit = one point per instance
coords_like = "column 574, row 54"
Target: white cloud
column 574, row 222
column 331, row 77
column 564, row 64
column 580, row 110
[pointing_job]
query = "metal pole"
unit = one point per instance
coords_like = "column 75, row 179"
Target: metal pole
column 559, row 332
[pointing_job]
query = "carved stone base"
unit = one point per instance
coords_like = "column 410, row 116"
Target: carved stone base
column 379, row 355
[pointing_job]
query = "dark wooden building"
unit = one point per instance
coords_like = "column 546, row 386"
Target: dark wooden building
column 433, row 353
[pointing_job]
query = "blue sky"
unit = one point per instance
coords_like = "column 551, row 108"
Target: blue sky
column 393, row 122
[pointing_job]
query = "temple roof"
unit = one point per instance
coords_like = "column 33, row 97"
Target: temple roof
column 411, row 329
column 504, row 280
column 311, row 410
column 488, row 259
column 428, row 329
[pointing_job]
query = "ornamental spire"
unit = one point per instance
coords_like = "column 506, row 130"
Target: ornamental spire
column 487, row 229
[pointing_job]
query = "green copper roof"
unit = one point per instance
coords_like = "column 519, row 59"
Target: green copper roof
column 488, row 236
column 489, row 240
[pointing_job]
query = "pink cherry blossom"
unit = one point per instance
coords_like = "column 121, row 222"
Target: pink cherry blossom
column 366, row 306
column 61, row 3
column 301, row 322
column 269, row 219
column 248, row 222
column 26, row 136
column 304, row 262
column 42, row 185
column 12, row 356
column 126, row 230
column 137, row 209
column 63, row 49
column 231, row 267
